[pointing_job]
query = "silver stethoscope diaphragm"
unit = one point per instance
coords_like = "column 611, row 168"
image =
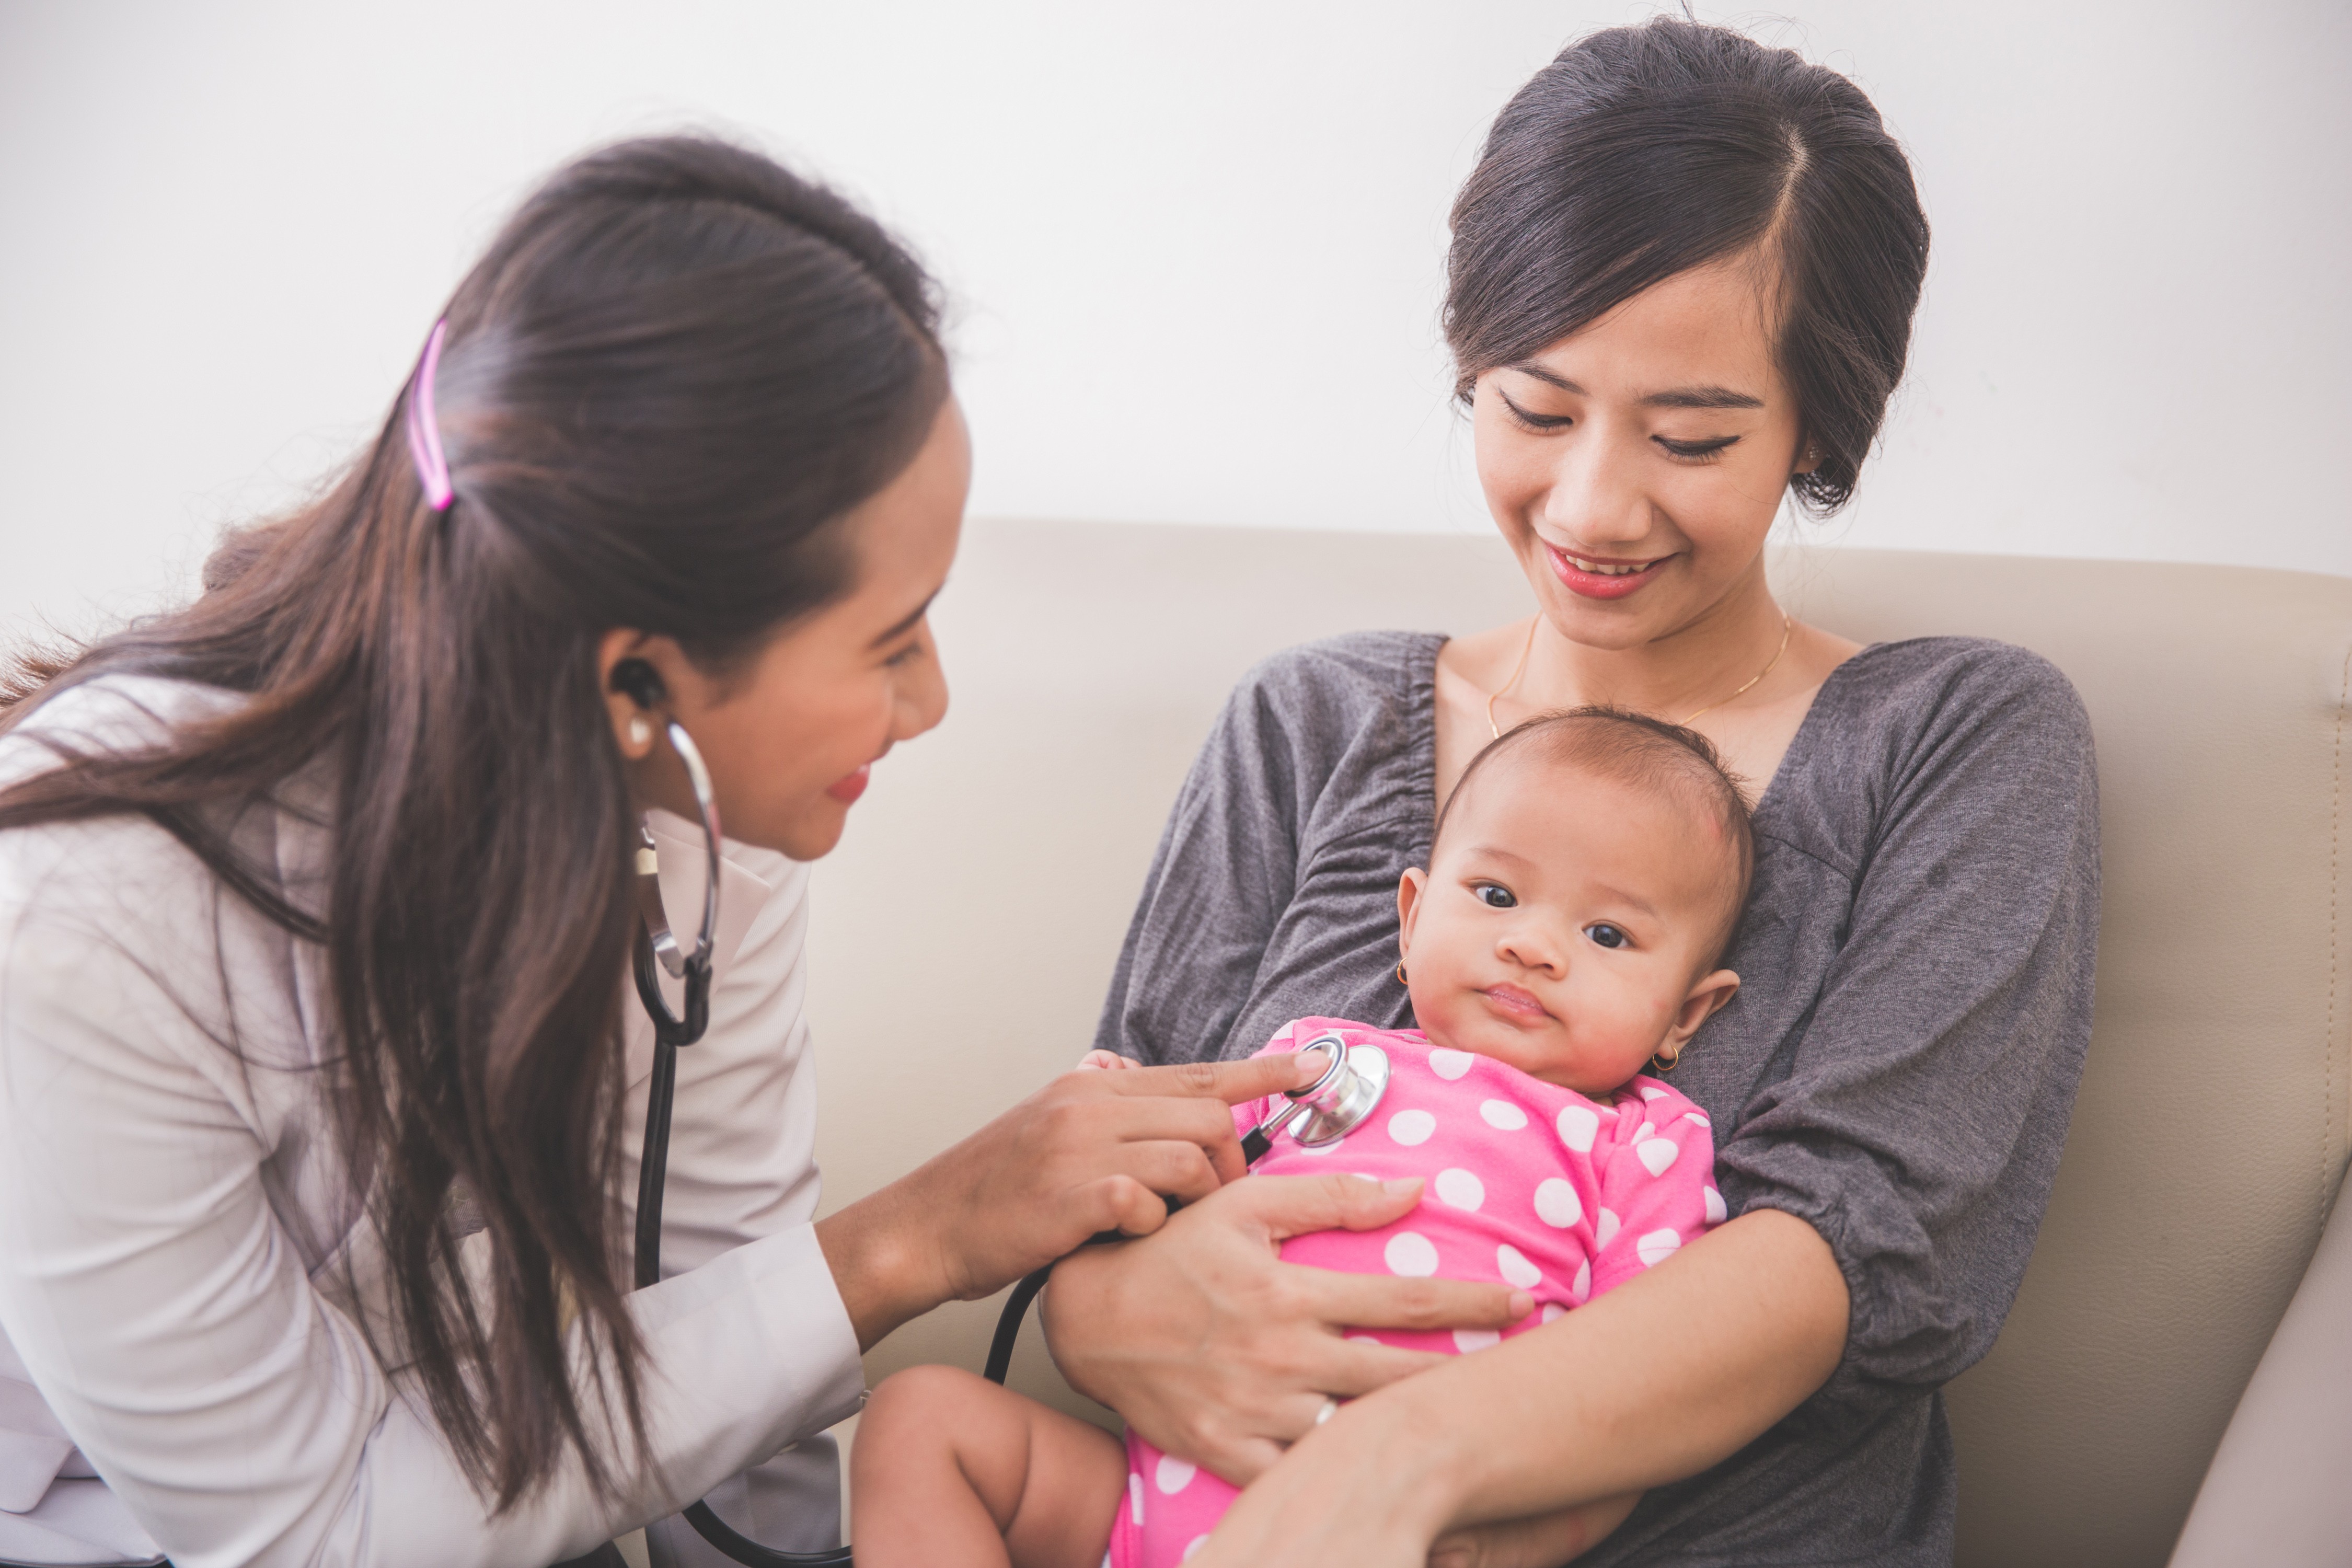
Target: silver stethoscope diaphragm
column 1347, row 1092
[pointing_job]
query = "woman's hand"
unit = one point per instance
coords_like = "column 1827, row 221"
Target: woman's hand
column 1546, row 1541
column 1222, row 1354
column 1497, row 1458
column 1343, row 1495
column 1088, row 1153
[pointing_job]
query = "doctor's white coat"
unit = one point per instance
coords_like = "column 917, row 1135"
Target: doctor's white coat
column 182, row 1270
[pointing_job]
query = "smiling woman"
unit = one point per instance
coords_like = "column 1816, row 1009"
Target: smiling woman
column 1680, row 287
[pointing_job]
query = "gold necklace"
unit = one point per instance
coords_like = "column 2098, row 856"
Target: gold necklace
column 1788, row 626
column 1517, row 671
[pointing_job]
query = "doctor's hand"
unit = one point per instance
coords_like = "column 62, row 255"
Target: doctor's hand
column 1090, row 1151
column 1221, row 1354
column 1357, row 1491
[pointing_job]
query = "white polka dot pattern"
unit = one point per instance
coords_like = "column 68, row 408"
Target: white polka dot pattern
column 1411, row 1254
column 1557, row 1203
column 1457, row 1188
column 1658, row 1245
column 1562, row 1218
column 1412, row 1127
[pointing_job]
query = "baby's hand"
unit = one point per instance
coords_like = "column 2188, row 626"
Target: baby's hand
column 1109, row 1060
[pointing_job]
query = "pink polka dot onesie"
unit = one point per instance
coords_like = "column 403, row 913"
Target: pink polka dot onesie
column 1529, row 1183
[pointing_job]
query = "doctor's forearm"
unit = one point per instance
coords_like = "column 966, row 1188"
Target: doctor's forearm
column 884, row 1263
column 1665, row 1375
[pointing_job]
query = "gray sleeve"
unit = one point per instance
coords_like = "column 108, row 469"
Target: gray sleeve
column 1274, row 890
column 1919, row 1125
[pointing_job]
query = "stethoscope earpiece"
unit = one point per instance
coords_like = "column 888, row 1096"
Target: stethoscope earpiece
column 640, row 683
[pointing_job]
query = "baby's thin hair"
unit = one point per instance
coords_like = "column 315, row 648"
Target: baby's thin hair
column 1645, row 752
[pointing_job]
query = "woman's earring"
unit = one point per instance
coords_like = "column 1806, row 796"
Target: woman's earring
column 1401, row 979
column 1667, row 1066
column 641, row 732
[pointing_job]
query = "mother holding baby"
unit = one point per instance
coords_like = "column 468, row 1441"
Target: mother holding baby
column 1681, row 285
column 319, row 1074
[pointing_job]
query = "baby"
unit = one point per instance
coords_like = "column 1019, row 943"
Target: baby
column 1583, row 883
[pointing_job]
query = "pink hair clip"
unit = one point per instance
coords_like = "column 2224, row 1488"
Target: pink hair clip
column 425, row 431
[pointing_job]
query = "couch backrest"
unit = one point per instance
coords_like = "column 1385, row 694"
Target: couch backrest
column 964, row 932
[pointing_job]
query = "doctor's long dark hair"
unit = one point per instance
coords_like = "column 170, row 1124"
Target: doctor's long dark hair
column 675, row 371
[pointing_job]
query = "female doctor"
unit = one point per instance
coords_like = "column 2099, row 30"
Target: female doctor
column 319, row 1070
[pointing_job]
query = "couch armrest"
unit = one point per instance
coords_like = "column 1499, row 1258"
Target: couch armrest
column 2280, row 1488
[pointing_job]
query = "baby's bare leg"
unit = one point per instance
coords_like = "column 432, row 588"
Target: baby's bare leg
column 948, row 1471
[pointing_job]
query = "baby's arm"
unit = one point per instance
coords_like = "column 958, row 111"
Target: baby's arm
column 948, row 1467
column 1657, row 1190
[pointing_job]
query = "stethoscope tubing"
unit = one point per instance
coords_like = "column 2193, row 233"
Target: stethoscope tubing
column 656, row 951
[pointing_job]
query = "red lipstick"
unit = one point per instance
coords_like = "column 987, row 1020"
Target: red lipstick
column 1613, row 583
column 848, row 789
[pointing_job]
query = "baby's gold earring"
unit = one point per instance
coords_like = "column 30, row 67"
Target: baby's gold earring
column 1401, row 979
column 1668, row 1065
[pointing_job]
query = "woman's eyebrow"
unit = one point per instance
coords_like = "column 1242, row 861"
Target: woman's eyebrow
column 1701, row 397
column 900, row 628
column 1551, row 377
column 1673, row 397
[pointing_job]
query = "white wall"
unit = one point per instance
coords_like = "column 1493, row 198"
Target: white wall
column 1196, row 248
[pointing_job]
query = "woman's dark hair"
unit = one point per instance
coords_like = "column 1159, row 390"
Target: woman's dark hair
column 1643, row 152
column 675, row 371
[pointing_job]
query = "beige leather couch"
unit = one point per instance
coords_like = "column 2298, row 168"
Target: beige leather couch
column 964, row 931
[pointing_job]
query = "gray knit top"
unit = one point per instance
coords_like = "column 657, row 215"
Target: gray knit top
column 1896, row 1069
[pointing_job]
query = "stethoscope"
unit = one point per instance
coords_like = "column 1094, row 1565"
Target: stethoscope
column 1343, row 1094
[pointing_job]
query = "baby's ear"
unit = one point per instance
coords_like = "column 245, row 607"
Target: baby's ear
column 1707, row 994
column 1410, row 888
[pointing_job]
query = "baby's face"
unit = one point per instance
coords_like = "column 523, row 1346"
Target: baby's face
column 1563, row 925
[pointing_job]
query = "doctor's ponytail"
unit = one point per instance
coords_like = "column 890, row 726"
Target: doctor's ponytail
column 675, row 371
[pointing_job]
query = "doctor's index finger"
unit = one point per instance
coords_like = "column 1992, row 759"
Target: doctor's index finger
column 1232, row 1082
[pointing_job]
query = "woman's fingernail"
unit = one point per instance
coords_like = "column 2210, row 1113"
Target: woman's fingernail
column 1521, row 1305
column 1396, row 1186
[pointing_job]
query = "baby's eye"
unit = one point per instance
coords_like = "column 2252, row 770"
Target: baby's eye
column 1495, row 895
column 1608, row 935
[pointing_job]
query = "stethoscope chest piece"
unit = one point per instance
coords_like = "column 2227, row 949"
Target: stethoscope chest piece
column 1338, row 1103
column 1335, row 1104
